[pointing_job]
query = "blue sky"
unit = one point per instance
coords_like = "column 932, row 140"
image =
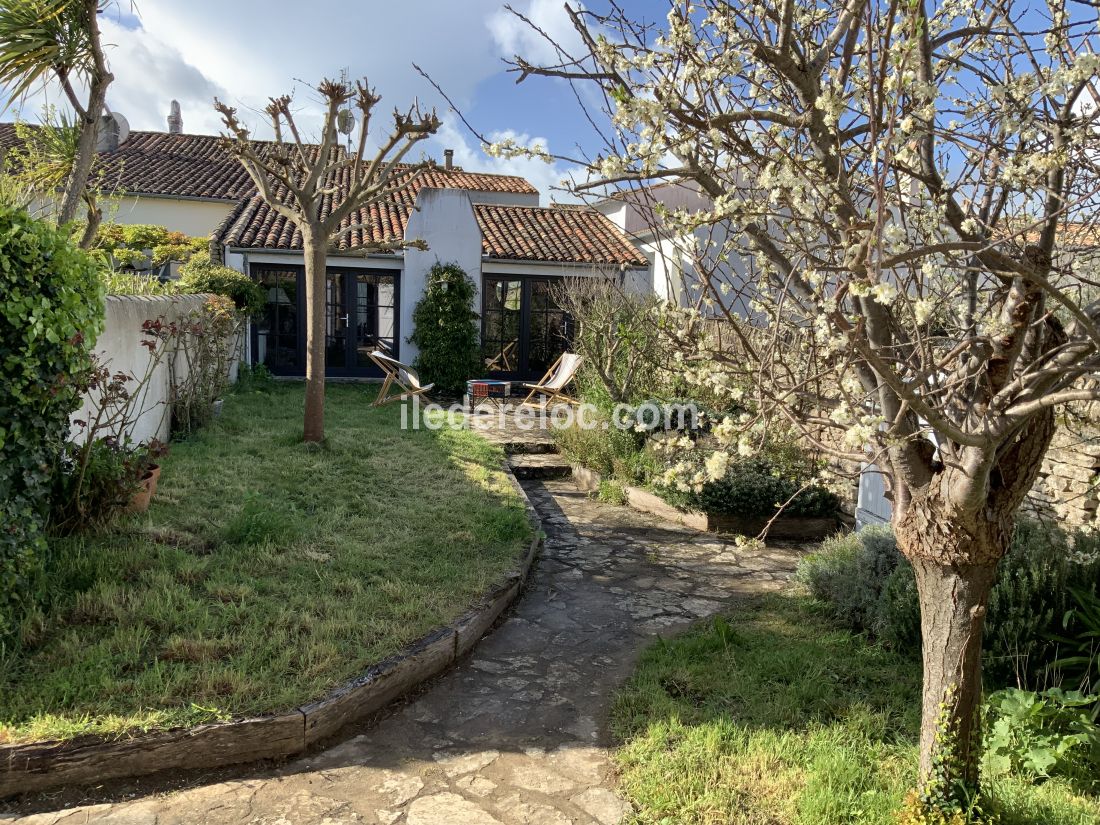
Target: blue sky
column 244, row 51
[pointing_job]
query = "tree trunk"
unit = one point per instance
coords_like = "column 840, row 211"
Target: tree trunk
column 73, row 195
column 94, row 219
column 313, row 245
column 954, row 552
column 955, row 565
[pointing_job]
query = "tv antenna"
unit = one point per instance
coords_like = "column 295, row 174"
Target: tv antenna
column 345, row 118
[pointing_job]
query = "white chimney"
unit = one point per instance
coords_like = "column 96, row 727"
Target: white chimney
column 175, row 119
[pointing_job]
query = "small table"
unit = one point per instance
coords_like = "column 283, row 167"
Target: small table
column 482, row 390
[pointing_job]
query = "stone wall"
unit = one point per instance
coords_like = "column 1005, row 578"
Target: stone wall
column 1067, row 489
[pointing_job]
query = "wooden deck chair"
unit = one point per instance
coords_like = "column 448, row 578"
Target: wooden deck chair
column 557, row 378
column 501, row 362
column 396, row 373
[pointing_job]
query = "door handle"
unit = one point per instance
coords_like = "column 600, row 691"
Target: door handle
column 345, row 318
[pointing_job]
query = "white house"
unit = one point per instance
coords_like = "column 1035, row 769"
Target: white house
column 681, row 263
column 491, row 225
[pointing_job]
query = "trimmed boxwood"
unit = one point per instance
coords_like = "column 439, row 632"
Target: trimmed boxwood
column 755, row 488
column 51, row 310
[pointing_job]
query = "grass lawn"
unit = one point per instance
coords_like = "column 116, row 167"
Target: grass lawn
column 774, row 716
column 265, row 572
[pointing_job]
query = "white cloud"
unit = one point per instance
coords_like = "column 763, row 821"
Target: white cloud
column 246, row 51
column 516, row 37
column 149, row 74
column 258, row 48
column 546, row 177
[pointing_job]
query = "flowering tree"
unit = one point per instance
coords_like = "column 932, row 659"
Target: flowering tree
column 320, row 188
column 899, row 234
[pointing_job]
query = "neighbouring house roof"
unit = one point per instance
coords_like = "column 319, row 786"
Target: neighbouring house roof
column 523, row 233
column 165, row 165
column 557, row 233
column 169, row 165
column 198, row 166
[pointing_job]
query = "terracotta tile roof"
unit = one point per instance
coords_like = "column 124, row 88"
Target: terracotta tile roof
column 158, row 163
column 559, row 233
column 521, row 233
column 196, row 166
column 255, row 225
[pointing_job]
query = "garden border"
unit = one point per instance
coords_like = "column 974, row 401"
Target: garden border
column 39, row 766
column 799, row 528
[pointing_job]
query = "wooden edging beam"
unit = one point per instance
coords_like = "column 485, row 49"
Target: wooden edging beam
column 39, row 766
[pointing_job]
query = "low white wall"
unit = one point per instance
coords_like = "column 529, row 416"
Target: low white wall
column 119, row 347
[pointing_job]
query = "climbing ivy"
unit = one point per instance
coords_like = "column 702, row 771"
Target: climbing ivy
column 445, row 329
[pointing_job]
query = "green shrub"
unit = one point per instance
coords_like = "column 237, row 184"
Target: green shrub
column 445, row 329
column 756, row 487
column 135, row 283
column 1042, row 735
column 615, row 332
column 51, row 310
column 182, row 249
column 144, row 235
column 611, row 452
column 125, row 258
column 93, row 484
column 849, row 573
column 110, row 236
column 202, row 275
column 611, row 492
column 1028, row 601
column 257, row 378
column 868, row 585
column 1078, row 664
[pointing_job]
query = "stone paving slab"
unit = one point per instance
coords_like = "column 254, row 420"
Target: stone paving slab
column 526, row 466
column 515, row 735
column 516, row 435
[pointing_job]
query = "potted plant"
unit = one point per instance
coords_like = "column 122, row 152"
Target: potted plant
column 144, row 466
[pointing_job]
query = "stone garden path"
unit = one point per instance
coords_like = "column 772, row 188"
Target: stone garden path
column 516, row 734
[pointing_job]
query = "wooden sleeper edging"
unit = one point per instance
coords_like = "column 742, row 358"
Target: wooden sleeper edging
column 39, row 766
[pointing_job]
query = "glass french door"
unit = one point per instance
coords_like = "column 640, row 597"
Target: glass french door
column 360, row 317
column 523, row 330
column 278, row 333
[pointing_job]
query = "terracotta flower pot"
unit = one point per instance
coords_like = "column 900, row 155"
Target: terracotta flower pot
column 139, row 502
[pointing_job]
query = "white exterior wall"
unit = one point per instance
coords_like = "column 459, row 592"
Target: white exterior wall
column 444, row 219
column 119, row 346
column 197, row 218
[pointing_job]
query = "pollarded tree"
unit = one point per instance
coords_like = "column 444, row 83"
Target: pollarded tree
column 320, row 188
column 906, row 197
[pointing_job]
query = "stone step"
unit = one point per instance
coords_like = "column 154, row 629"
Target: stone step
column 539, row 466
column 530, row 447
